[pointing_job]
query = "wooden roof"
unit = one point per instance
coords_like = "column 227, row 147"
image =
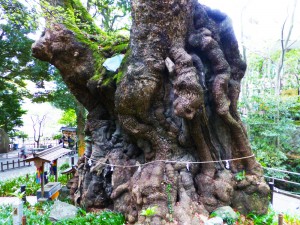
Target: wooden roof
column 49, row 154
column 73, row 129
column 69, row 170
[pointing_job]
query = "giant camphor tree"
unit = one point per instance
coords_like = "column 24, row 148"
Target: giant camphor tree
column 164, row 129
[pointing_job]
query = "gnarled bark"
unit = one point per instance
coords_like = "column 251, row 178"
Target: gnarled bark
column 175, row 105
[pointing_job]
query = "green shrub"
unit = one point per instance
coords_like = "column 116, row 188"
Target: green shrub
column 6, row 215
column 104, row 218
column 64, row 166
column 268, row 219
column 291, row 219
column 150, row 211
column 39, row 214
column 240, row 175
column 10, row 186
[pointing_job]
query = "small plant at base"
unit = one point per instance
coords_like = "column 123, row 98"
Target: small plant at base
column 149, row 212
column 230, row 221
column 18, row 194
column 268, row 219
column 240, row 175
column 291, row 219
column 6, row 214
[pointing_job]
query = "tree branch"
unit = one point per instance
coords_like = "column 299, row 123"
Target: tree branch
column 114, row 20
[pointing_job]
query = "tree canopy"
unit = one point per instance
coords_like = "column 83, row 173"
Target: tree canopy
column 16, row 63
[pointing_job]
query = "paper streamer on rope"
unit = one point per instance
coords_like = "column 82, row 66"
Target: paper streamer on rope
column 139, row 169
column 188, row 166
column 169, row 161
column 90, row 162
column 227, row 165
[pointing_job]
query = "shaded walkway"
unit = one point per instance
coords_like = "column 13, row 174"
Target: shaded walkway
column 283, row 203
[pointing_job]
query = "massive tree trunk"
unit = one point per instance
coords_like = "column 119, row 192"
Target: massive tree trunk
column 169, row 134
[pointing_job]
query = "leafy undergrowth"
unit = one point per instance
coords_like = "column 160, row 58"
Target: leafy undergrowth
column 5, row 214
column 262, row 220
column 103, row 218
column 291, row 219
column 271, row 218
column 39, row 215
column 9, row 187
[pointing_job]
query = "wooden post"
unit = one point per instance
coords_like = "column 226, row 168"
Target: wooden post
column 23, row 220
column 271, row 185
column 2, row 167
column 280, row 219
column 18, row 163
column 23, row 189
column 42, row 180
column 13, row 163
column 56, row 177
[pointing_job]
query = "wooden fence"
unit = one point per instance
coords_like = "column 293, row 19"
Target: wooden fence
column 13, row 164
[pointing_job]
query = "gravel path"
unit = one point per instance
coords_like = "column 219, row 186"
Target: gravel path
column 285, row 204
column 10, row 174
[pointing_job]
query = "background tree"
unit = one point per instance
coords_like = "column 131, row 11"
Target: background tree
column 110, row 12
column 272, row 122
column 17, row 66
column 22, row 135
column 166, row 134
column 11, row 111
column 63, row 99
column 16, row 63
column 68, row 118
column 285, row 45
column 260, row 110
column 38, row 125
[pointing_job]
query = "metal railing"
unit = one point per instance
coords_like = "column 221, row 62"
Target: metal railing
column 14, row 164
column 272, row 180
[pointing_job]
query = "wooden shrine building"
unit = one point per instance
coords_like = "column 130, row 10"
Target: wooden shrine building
column 49, row 155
